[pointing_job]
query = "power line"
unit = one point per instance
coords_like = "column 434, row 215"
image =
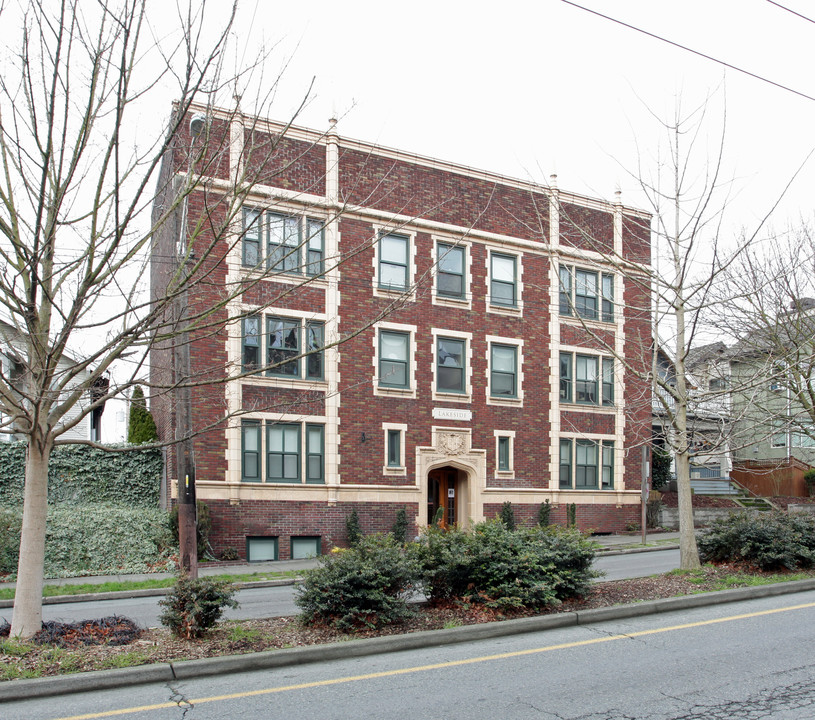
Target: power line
column 695, row 52
column 790, row 10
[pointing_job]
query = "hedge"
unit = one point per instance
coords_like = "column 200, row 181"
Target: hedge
column 80, row 474
column 94, row 539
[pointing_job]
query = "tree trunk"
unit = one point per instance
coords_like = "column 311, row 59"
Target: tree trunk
column 688, row 552
column 27, row 615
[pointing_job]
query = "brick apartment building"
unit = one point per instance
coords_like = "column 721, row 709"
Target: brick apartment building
column 428, row 336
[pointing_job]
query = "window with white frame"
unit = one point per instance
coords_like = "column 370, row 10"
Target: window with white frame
column 586, row 293
column 504, row 453
column 503, row 280
column 294, row 346
column 394, row 437
column 283, row 243
column 451, row 359
column 586, row 464
column 504, row 371
column 394, row 359
column 581, row 382
column 287, row 452
column 451, row 279
column 394, row 262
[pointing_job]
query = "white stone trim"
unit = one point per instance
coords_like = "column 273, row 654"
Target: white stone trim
column 410, row 391
column 466, row 302
column 388, row 469
column 467, row 396
column 519, row 369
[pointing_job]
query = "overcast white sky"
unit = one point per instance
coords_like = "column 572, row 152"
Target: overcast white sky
column 531, row 88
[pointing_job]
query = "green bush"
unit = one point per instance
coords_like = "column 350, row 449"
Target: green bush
column 202, row 530
column 660, row 468
column 364, row 586
column 400, row 527
column 352, row 529
column 79, row 475
column 544, row 513
column 11, row 522
column 769, row 541
column 508, row 515
column 142, row 427
column 98, row 539
column 528, row 567
column 193, row 606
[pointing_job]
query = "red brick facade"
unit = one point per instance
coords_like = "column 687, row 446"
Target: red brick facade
column 479, row 415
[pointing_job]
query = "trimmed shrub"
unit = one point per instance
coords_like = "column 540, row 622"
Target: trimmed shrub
column 202, row 530
column 79, row 475
column 366, row 586
column 571, row 514
column 544, row 513
column 400, row 527
column 660, row 468
column 769, row 541
column 352, row 529
column 194, row 606
column 11, row 522
column 142, row 427
column 508, row 515
column 528, row 567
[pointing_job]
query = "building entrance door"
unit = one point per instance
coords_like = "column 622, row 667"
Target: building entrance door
column 442, row 487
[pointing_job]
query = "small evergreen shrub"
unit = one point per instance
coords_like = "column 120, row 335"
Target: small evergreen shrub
column 508, row 515
column 501, row 568
column 571, row 515
column 142, row 427
column 202, row 530
column 366, row 586
column 544, row 514
column 400, row 526
column 194, row 606
column 769, row 541
column 660, row 468
column 229, row 553
column 353, row 531
column 11, row 523
column 809, row 479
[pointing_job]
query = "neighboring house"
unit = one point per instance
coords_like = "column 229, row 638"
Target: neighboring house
column 709, row 411
column 490, row 377
column 12, row 367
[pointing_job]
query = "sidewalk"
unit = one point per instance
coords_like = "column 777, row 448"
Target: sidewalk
column 610, row 544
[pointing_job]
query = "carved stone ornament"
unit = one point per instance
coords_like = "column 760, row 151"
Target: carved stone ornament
column 452, row 444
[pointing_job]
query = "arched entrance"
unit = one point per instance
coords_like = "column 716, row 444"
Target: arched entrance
column 443, row 496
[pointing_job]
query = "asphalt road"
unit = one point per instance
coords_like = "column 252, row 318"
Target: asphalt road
column 746, row 661
column 268, row 602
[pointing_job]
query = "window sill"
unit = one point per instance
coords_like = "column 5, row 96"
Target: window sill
column 451, row 302
column 393, row 471
column 287, row 278
column 452, row 397
column 573, row 321
column 504, row 475
column 506, row 402
column 580, row 407
column 283, row 382
column 408, row 294
column 380, row 391
column 508, row 310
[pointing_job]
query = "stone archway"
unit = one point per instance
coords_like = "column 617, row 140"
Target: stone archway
column 451, row 475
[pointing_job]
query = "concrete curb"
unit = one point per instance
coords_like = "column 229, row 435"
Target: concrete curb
column 164, row 672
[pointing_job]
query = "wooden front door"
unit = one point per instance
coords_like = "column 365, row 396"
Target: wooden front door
column 441, row 497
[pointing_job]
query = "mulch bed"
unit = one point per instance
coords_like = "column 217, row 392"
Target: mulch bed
column 231, row 638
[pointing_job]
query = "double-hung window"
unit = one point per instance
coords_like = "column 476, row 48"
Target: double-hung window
column 394, row 358
column 250, row 450
column 450, row 360
column 503, row 371
column 394, row 448
column 283, row 452
column 251, row 343
column 608, row 381
column 566, row 377
column 393, row 262
column 284, row 347
column 503, row 280
column 286, row 243
column 608, row 298
column 314, row 347
column 283, row 253
column 585, row 294
column 586, row 464
column 504, row 464
column 585, row 383
column 450, row 279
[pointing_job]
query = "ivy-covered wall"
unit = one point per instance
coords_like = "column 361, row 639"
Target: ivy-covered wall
column 80, row 475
